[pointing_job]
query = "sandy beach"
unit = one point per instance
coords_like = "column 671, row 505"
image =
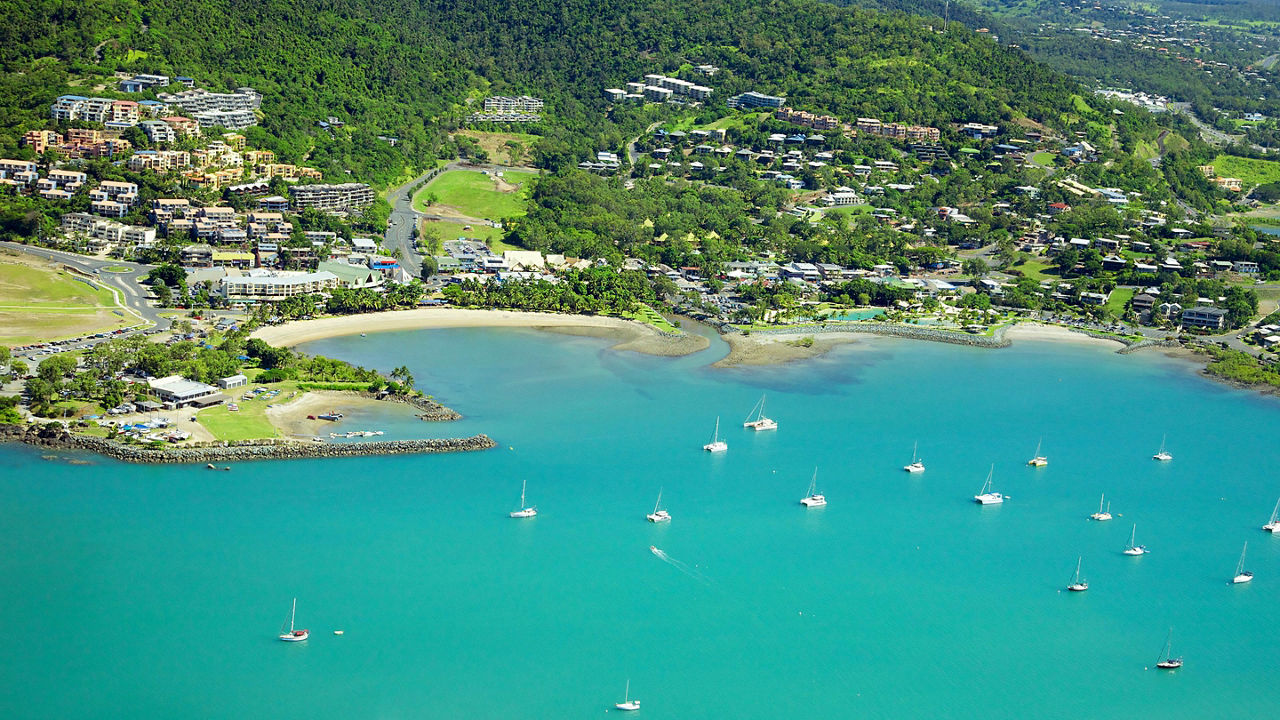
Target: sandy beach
column 632, row 336
column 291, row 418
column 1054, row 333
column 780, row 348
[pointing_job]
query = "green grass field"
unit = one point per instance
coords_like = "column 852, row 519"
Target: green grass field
column 1035, row 268
column 1251, row 172
column 1120, row 297
column 649, row 316
column 492, row 236
column 1044, row 158
column 250, row 421
column 475, row 194
column 43, row 303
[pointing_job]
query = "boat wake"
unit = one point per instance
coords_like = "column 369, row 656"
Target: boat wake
column 681, row 566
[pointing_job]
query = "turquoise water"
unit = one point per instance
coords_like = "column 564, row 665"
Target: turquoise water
column 1268, row 229
column 158, row 591
column 856, row 315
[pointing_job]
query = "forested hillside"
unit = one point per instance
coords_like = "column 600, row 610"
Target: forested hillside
column 408, row 68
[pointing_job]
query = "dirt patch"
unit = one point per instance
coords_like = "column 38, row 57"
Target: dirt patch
column 503, row 186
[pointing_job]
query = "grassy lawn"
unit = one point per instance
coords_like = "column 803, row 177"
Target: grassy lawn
column 649, row 316
column 492, row 236
column 1036, row 269
column 250, row 421
column 475, row 194
column 41, row 302
column 1120, row 297
column 1251, row 171
column 1043, row 158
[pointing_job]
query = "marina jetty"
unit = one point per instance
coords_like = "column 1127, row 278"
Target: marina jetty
column 235, row 451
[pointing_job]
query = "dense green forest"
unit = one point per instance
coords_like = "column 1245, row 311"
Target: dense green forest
column 409, row 69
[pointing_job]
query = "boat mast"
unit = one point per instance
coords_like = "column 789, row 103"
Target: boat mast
column 659, row 503
column 292, row 611
column 524, row 484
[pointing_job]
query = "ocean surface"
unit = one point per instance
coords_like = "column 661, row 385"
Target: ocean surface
column 158, row 591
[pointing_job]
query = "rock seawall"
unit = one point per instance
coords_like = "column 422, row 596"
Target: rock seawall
column 238, row 451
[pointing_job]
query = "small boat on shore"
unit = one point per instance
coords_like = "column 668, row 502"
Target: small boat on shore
column 1038, row 460
column 524, row 511
column 814, row 498
column 659, row 515
column 1242, row 575
column 985, row 496
column 1132, row 548
column 330, row 416
column 1273, row 526
column 916, row 465
column 292, row 635
column 1167, row 661
column 716, row 445
column 1102, row 515
column 627, row 703
column 757, row 421
column 1077, row 584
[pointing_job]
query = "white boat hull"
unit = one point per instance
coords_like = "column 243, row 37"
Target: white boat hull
column 1101, row 517
column 628, row 706
column 761, row 424
column 915, row 467
column 525, row 513
column 298, row 636
column 1242, row 578
column 1078, row 587
column 989, row 499
column 1162, row 457
column 1037, row 462
column 814, row 501
column 716, row 447
column 1272, row 527
column 660, row 516
column 1135, row 551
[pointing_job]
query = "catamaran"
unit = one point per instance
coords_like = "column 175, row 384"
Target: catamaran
column 757, row 420
column 985, row 496
column 627, row 703
column 659, row 515
column 917, row 465
column 292, row 635
column 1272, row 525
column 1163, row 455
column 814, row 498
column 1078, row 585
column 1167, row 661
column 1242, row 575
column 1038, row 460
column 1133, row 549
column 525, row 511
column 716, row 445
column 1101, row 514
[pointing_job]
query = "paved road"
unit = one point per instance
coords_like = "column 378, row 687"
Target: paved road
column 128, row 291
column 400, row 232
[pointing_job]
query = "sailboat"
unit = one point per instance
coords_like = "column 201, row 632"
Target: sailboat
column 292, row 635
column 917, row 465
column 627, row 703
column 1272, row 525
column 1163, row 455
column 985, row 496
column 1133, row 549
column 659, row 515
column 1242, row 575
column 716, row 445
column 1078, row 585
column 757, row 420
column 814, row 498
column 1102, row 515
column 1167, row 661
column 1039, row 460
column 525, row 511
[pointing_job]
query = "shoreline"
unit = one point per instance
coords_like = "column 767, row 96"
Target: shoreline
column 629, row 335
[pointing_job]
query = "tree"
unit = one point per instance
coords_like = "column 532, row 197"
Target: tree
column 54, row 369
column 974, row 267
column 168, row 273
column 430, row 266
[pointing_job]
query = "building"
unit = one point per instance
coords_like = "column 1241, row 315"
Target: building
column 40, row 140
column 345, row 196
column 753, row 99
column 158, row 131
column 503, row 104
column 235, row 381
column 352, row 276
column 274, row 285
column 1209, row 318
column 201, row 100
column 230, row 119
column 176, row 391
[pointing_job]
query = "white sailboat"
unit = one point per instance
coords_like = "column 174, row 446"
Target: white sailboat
column 292, row 635
column 1273, row 526
column 985, row 496
column 1163, row 455
column 814, row 498
column 1102, row 515
column 1134, row 549
column 756, row 420
column 659, row 515
column 1077, row 584
column 1038, row 460
column 525, row 511
column 1167, row 661
column 1242, row 575
column 716, row 445
column 627, row 703
column 917, row 465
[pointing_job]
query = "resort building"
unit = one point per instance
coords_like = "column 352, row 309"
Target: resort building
column 1209, row 318
column 272, row 285
column 753, row 99
column 176, row 391
column 346, row 196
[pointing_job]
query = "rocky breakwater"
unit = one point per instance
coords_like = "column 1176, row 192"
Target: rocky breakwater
column 955, row 337
column 237, row 451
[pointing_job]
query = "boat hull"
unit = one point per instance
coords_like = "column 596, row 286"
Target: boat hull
column 814, row 501
column 628, row 706
column 296, row 636
column 1169, row 664
column 660, row 516
column 1135, row 551
column 1242, row 578
column 989, row 499
column 914, row 467
column 525, row 513
column 716, row 447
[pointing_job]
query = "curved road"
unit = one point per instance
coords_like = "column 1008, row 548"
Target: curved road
column 129, row 294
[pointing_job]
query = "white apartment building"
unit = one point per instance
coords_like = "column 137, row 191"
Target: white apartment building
column 201, row 100
column 503, row 104
column 272, row 285
column 230, row 119
column 344, row 196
